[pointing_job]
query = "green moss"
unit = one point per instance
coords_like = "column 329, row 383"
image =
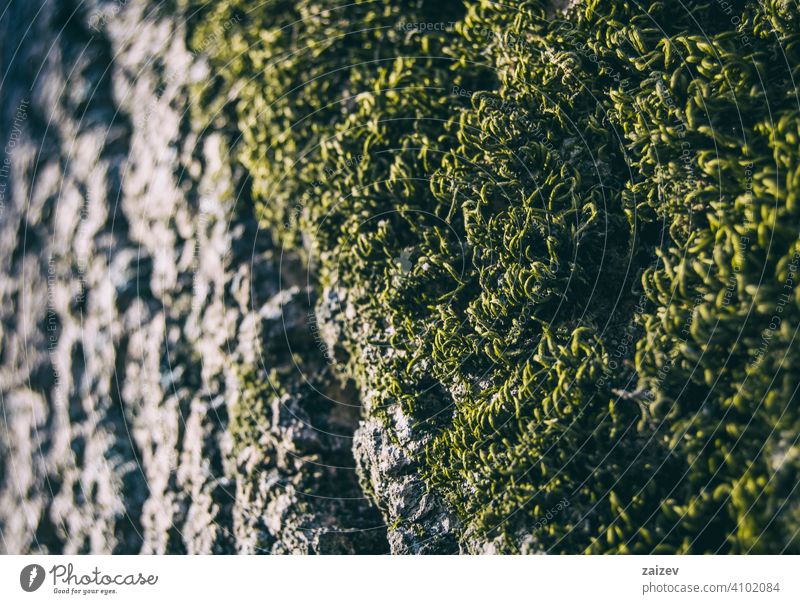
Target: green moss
column 569, row 246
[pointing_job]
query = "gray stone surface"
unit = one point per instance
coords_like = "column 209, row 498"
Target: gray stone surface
column 385, row 444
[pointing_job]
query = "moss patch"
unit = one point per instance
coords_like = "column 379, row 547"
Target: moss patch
column 567, row 246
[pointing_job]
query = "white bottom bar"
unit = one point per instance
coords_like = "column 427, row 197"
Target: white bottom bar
column 401, row 580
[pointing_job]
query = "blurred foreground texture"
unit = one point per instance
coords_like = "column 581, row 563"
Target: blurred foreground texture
column 129, row 287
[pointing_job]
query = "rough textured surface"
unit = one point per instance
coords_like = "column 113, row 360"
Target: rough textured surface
column 134, row 291
column 291, row 428
column 524, row 278
column 556, row 249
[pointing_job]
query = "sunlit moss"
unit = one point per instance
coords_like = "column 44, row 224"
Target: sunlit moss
column 568, row 245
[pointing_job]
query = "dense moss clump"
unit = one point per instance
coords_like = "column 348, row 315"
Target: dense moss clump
column 561, row 247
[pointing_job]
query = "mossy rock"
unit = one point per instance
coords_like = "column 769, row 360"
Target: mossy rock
column 557, row 251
